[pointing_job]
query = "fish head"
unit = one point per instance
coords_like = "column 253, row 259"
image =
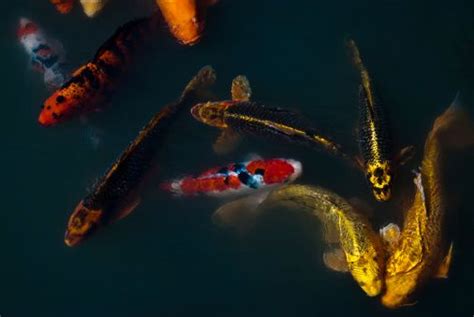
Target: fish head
column 52, row 110
column 183, row 19
column 399, row 289
column 276, row 171
column 368, row 269
column 26, row 28
column 379, row 175
column 211, row 113
column 81, row 224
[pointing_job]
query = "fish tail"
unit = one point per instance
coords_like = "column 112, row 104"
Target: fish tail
column 457, row 103
column 364, row 74
column 200, row 83
column 355, row 55
column 454, row 128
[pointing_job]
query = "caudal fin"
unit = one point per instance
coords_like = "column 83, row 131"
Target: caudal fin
column 454, row 128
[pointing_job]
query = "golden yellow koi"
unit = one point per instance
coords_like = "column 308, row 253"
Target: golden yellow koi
column 422, row 252
column 361, row 251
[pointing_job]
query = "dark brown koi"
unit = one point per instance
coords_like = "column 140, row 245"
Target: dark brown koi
column 117, row 193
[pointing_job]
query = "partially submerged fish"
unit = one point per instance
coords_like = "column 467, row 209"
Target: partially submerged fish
column 375, row 140
column 63, row 6
column 237, row 178
column 422, row 251
column 92, row 7
column 118, row 192
column 242, row 116
column 358, row 247
column 91, row 85
column 185, row 18
column 47, row 55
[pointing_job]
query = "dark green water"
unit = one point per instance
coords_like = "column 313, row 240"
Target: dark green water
column 168, row 259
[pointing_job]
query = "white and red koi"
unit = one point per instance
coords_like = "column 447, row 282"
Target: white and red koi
column 237, row 178
column 46, row 54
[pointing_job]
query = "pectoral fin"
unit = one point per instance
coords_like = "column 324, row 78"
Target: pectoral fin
column 359, row 163
column 405, row 155
column 127, row 208
column 226, row 142
column 241, row 90
column 443, row 269
column 335, row 260
column 240, row 214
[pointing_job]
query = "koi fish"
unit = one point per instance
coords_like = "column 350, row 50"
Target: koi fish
column 46, row 54
column 354, row 246
column 242, row 116
column 63, row 6
column 92, row 83
column 422, row 252
column 237, row 178
column 92, row 7
column 117, row 194
column 375, row 140
column 185, row 18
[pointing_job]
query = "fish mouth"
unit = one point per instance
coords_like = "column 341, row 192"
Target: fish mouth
column 298, row 170
column 71, row 240
column 196, row 111
column 44, row 121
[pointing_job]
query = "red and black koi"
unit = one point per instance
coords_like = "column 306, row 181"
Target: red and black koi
column 118, row 192
column 91, row 85
column 237, row 178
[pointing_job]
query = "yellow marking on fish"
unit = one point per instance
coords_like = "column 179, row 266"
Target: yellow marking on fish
column 374, row 144
column 284, row 128
column 281, row 127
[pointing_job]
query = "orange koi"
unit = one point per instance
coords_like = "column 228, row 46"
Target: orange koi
column 91, row 84
column 63, row 6
column 185, row 18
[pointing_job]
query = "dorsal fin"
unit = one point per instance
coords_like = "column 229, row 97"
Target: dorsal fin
column 443, row 269
column 241, row 90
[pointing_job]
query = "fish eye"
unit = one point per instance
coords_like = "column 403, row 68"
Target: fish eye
column 260, row 171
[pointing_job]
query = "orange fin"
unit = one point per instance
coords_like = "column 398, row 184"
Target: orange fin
column 443, row 269
column 226, row 142
column 335, row 260
column 241, row 90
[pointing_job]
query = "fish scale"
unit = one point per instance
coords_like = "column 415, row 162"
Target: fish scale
column 261, row 120
column 373, row 122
